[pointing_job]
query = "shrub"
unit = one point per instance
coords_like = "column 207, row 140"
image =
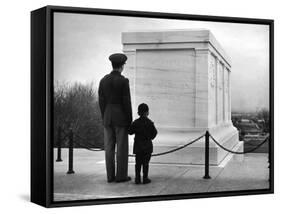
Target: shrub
column 76, row 107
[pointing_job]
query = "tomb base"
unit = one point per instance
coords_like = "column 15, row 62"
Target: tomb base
column 168, row 139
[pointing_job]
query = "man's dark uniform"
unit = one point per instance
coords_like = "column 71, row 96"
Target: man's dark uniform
column 116, row 110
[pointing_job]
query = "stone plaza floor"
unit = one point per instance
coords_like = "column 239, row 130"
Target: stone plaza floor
column 242, row 172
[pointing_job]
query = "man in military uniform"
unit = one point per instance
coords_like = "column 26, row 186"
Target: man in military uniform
column 116, row 110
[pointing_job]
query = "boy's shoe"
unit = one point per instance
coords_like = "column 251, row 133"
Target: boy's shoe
column 137, row 180
column 146, row 181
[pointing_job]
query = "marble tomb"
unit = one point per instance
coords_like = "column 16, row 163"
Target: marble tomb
column 184, row 77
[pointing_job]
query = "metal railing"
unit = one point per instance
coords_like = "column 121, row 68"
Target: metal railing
column 207, row 136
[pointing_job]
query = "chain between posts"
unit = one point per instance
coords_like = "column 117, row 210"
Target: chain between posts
column 207, row 147
column 153, row 155
column 240, row 153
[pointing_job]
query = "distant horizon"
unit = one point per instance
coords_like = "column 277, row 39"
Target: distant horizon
column 253, row 111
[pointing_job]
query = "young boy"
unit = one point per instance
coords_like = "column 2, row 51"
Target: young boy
column 145, row 132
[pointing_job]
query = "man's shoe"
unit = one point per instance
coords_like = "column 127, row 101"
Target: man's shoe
column 124, row 180
column 110, row 180
column 146, row 181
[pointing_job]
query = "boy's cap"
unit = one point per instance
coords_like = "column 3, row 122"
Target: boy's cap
column 142, row 108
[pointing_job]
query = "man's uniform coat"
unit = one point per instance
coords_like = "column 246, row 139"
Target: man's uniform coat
column 115, row 100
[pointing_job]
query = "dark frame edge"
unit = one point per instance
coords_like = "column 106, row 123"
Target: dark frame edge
column 161, row 198
column 38, row 155
column 153, row 14
column 49, row 102
column 271, row 105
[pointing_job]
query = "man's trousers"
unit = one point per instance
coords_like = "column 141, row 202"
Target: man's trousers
column 116, row 135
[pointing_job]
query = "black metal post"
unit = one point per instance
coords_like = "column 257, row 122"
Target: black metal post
column 59, row 146
column 70, row 153
column 207, row 176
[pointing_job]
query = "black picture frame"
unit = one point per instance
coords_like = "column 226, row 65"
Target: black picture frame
column 42, row 85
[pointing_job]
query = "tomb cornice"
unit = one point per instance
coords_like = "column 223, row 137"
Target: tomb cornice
column 174, row 38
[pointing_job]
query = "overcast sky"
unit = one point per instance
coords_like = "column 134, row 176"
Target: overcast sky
column 82, row 44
